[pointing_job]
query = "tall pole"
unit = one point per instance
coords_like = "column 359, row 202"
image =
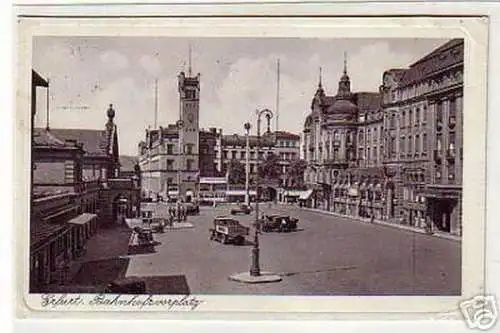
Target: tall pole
column 247, row 164
column 47, row 126
column 255, row 268
column 156, row 105
column 278, row 96
column 148, row 158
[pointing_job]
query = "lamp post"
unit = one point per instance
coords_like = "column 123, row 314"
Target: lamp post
column 255, row 275
column 180, row 125
column 255, row 268
column 247, row 127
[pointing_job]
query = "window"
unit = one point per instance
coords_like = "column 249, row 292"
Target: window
column 368, row 136
column 439, row 112
column 190, row 94
column 170, row 165
column 368, row 155
column 403, row 144
column 233, row 154
column 361, row 154
column 360, row 137
column 424, row 142
column 252, row 155
column 252, row 168
column 417, row 116
column 453, row 112
column 189, row 164
column 224, row 154
column 189, row 148
column 424, row 114
column 243, row 155
column 439, row 141
column 393, row 121
column 452, row 141
column 375, row 135
column 335, row 153
column 375, row 153
column 410, row 145
column 403, row 119
column 410, row 116
column 417, row 143
column 170, row 180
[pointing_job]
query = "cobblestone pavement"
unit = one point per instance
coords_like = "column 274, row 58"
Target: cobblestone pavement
column 328, row 255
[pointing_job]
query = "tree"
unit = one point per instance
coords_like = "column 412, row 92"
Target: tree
column 296, row 173
column 236, row 171
column 270, row 168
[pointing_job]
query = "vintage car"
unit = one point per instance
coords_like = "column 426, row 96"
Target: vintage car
column 228, row 230
column 279, row 222
column 192, row 208
column 141, row 240
column 241, row 209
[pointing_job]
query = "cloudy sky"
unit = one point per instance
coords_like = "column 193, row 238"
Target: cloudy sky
column 237, row 77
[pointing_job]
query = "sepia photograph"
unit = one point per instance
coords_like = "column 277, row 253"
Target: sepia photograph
column 324, row 167
column 262, row 166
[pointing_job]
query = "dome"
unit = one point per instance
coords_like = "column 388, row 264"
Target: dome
column 342, row 106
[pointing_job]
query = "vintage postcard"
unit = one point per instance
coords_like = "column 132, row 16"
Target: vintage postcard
column 330, row 166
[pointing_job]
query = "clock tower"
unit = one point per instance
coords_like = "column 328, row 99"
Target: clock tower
column 189, row 109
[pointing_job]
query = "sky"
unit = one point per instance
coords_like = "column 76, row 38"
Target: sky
column 238, row 76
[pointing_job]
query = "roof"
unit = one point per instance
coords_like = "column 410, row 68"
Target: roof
column 447, row 55
column 127, row 163
column 367, row 101
column 286, row 135
column 94, row 141
column 240, row 140
column 41, row 231
column 44, row 137
column 342, row 106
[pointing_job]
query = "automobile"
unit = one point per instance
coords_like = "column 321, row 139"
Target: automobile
column 279, row 222
column 192, row 208
column 141, row 240
column 228, row 230
column 241, row 209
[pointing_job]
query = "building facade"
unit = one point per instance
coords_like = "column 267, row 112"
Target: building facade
column 169, row 157
column 423, row 113
column 395, row 155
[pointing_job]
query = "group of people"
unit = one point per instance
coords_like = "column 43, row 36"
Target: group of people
column 177, row 212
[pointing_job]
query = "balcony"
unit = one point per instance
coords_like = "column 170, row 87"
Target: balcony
column 451, row 154
column 438, row 156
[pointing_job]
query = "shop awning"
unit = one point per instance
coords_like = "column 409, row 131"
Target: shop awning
column 240, row 192
column 305, row 195
column 83, row 219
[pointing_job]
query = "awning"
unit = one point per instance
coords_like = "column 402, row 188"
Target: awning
column 83, row 219
column 305, row 195
column 240, row 192
column 293, row 193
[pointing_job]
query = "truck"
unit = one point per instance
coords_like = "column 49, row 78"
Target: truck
column 228, row 230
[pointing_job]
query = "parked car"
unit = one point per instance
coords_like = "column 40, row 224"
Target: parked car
column 280, row 223
column 241, row 209
column 228, row 230
column 192, row 208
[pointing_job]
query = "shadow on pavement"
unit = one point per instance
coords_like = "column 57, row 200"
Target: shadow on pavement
column 101, row 272
column 343, row 268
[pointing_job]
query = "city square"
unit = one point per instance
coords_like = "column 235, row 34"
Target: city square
column 361, row 195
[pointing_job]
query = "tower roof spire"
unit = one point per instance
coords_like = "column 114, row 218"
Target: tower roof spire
column 345, row 62
column 320, row 83
column 189, row 68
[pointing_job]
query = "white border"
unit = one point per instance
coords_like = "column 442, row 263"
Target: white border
column 476, row 118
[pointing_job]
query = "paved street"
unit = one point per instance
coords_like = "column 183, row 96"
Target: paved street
column 327, row 256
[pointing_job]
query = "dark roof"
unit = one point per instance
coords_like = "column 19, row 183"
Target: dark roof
column 240, row 140
column 342, row 106
column 41, row 231
column 94, row 141
column 43, row 137
column 37, row 80
column 127, row 163
column 367, row 101
column 447, row 55
column 286, row 135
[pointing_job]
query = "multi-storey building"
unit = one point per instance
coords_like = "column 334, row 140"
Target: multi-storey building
column 169, row 157
column 423, row 113
column 74, row 189
column 341, row 147
column 405, row 163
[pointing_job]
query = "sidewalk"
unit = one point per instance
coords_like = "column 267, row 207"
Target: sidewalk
column 388, row 224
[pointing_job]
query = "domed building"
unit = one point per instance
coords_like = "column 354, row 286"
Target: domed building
column 334, row 147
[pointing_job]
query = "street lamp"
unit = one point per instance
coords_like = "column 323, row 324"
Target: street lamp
column 255, row 275
column 255, row 268
column 180, row 125
column 247, row 127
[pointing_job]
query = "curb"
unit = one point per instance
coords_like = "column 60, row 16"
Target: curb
column 388, row 224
